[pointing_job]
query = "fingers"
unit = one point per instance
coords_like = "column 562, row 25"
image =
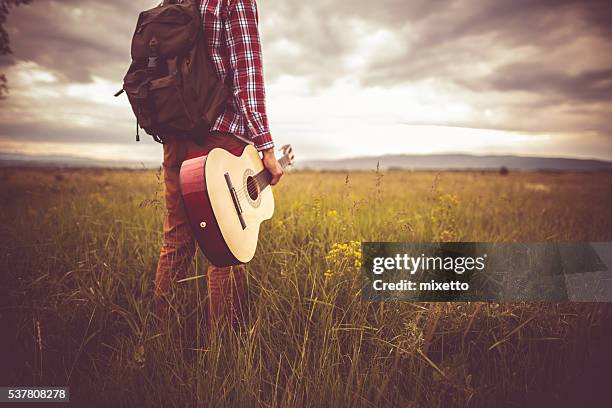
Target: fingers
column 274, row 167
column 276, row 176
column 277, row 173
column 288, row 151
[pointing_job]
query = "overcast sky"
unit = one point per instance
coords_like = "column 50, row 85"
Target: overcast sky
column 343, row 78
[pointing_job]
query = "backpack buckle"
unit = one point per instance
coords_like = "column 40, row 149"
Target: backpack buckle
column 153, row 54
column 143, row 90
column 152, row 65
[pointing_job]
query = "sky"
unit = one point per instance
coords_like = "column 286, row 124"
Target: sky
column 343, row 78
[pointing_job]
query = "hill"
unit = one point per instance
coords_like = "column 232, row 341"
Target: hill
column 457, row 162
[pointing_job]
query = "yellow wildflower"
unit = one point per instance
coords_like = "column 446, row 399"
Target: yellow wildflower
column 343, row 256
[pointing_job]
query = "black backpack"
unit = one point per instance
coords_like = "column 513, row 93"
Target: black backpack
column 171, row 84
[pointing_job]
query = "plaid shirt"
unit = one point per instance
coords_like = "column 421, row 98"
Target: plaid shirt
column 234, row 48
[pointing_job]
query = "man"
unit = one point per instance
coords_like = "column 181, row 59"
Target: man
column 231, row 31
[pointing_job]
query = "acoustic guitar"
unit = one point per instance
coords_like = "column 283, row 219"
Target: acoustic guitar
column 227, row 196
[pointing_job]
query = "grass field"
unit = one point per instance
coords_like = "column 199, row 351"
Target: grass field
column 80, row 247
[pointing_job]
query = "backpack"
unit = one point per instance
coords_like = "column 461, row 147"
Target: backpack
column 171, row 84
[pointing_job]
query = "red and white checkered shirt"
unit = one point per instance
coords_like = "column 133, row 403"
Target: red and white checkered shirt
column 235, row 50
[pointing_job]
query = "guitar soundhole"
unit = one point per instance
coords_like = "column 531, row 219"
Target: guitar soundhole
column 252, row 188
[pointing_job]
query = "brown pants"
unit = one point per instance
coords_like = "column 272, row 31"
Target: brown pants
column 226, row 286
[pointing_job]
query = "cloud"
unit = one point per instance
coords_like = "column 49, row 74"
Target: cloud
column 74, row 39
column 539, row 66
column 587, row 86
column 547, row 62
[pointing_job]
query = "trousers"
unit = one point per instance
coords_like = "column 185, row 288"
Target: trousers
column 226, row 285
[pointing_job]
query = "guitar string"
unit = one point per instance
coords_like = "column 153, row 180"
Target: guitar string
column 250, row 189
column 247, row 192
column 244, row 195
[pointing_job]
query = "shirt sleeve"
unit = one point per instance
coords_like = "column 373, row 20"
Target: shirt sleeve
column 244, row 46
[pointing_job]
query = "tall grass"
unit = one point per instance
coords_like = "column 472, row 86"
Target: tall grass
column 80, row 249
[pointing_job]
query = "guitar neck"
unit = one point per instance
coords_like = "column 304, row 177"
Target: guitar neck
column 264, row 177
column 284, row 161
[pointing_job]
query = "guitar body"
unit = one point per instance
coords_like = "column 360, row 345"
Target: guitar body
column 225, row 204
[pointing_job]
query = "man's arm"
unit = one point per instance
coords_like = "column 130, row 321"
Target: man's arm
column 242, row 35
column 244, row 46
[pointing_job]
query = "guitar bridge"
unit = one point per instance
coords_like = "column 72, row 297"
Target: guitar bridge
column 234, row 194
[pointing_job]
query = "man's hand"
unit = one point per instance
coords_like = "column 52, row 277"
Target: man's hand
column 273, row 166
